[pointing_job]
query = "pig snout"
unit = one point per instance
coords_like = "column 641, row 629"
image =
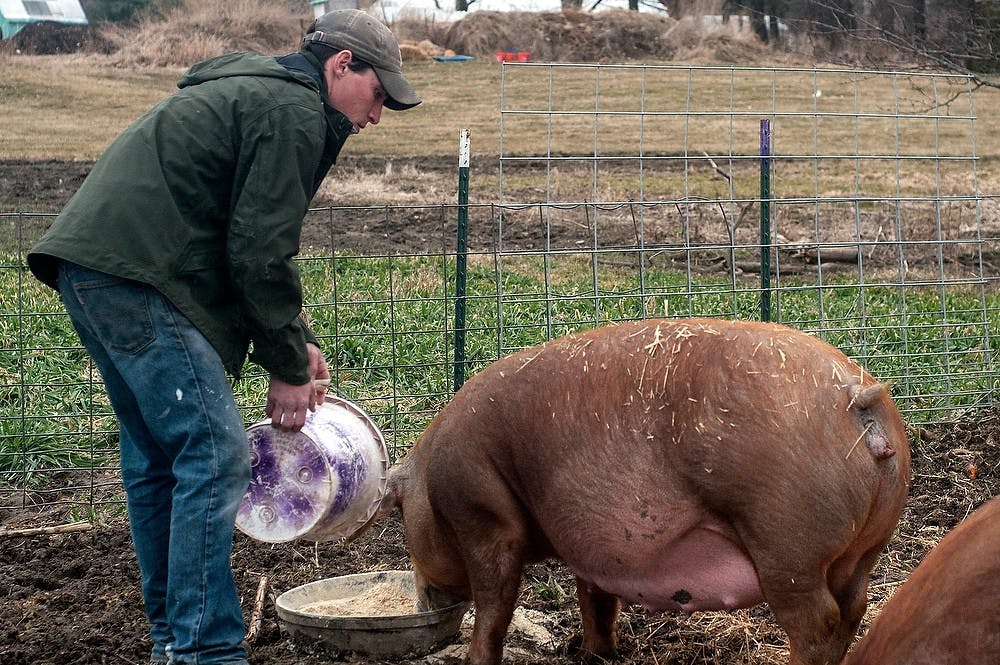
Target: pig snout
column 946, row 611
column 672, row 464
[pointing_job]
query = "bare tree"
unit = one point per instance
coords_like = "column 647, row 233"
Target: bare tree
column 680, row 8
column 956, row 35
column 952, row 35
column 673, row 7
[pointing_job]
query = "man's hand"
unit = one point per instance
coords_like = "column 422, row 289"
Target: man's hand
column 287, row 404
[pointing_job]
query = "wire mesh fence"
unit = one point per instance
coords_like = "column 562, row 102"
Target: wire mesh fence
column 844, row 202
column 645, row 199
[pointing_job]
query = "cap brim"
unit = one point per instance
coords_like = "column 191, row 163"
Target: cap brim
column 401, row 95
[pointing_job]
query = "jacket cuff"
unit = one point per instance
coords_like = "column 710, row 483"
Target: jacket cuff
column 283, row 353
column 310, row 335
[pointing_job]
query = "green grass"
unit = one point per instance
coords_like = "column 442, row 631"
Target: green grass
column 388, row 338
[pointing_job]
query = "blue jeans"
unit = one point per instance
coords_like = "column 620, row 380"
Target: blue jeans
column 184, row 458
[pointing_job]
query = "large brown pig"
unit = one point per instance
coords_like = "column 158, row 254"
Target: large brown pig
column 946, row 613
column 673, row 464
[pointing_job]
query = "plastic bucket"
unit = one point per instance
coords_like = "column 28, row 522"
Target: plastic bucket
column 321, row 483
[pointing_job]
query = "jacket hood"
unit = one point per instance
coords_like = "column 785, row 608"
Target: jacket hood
column 242, row 64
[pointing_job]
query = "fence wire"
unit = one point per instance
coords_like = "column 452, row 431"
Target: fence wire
column 643, row 201
column 879, row 237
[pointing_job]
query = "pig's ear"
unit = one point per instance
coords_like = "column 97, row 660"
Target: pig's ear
column 390, row 500
column 393, row 497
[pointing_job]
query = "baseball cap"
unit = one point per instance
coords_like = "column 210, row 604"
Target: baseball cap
column 371, row 42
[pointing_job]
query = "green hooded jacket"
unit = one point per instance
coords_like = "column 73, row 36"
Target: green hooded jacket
column 203, row 198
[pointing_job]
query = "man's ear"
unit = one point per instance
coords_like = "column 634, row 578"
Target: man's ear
column 336, row 65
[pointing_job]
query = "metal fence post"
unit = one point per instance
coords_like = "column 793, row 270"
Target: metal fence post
column 461, row 253
column 765, row 220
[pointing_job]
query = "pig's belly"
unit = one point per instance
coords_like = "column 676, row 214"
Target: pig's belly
column 700, row 570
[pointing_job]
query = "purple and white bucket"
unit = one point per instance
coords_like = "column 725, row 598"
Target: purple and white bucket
column 322, row 483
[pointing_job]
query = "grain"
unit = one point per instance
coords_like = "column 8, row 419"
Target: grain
column 379, row 600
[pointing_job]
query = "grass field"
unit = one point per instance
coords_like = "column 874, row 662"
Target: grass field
column 71, row 107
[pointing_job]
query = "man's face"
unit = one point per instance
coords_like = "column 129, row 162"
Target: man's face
column 358, row 95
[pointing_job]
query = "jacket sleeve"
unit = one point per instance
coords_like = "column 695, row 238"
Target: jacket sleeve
column 280, row 152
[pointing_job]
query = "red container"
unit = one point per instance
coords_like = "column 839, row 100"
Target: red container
column 523, row 56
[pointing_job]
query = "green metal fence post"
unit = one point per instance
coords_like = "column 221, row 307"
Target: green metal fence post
column 765, row 220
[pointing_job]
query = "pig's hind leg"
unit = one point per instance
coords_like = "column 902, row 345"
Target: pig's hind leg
column 820, row 613
column 814, row 581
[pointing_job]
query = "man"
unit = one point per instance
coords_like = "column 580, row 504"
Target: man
column 174, row 260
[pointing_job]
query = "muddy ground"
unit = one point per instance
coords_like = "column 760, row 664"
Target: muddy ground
column 73, row 598
column 429, row 229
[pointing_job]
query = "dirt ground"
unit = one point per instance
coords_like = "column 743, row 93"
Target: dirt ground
column 73, row 598
column 45, row 186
